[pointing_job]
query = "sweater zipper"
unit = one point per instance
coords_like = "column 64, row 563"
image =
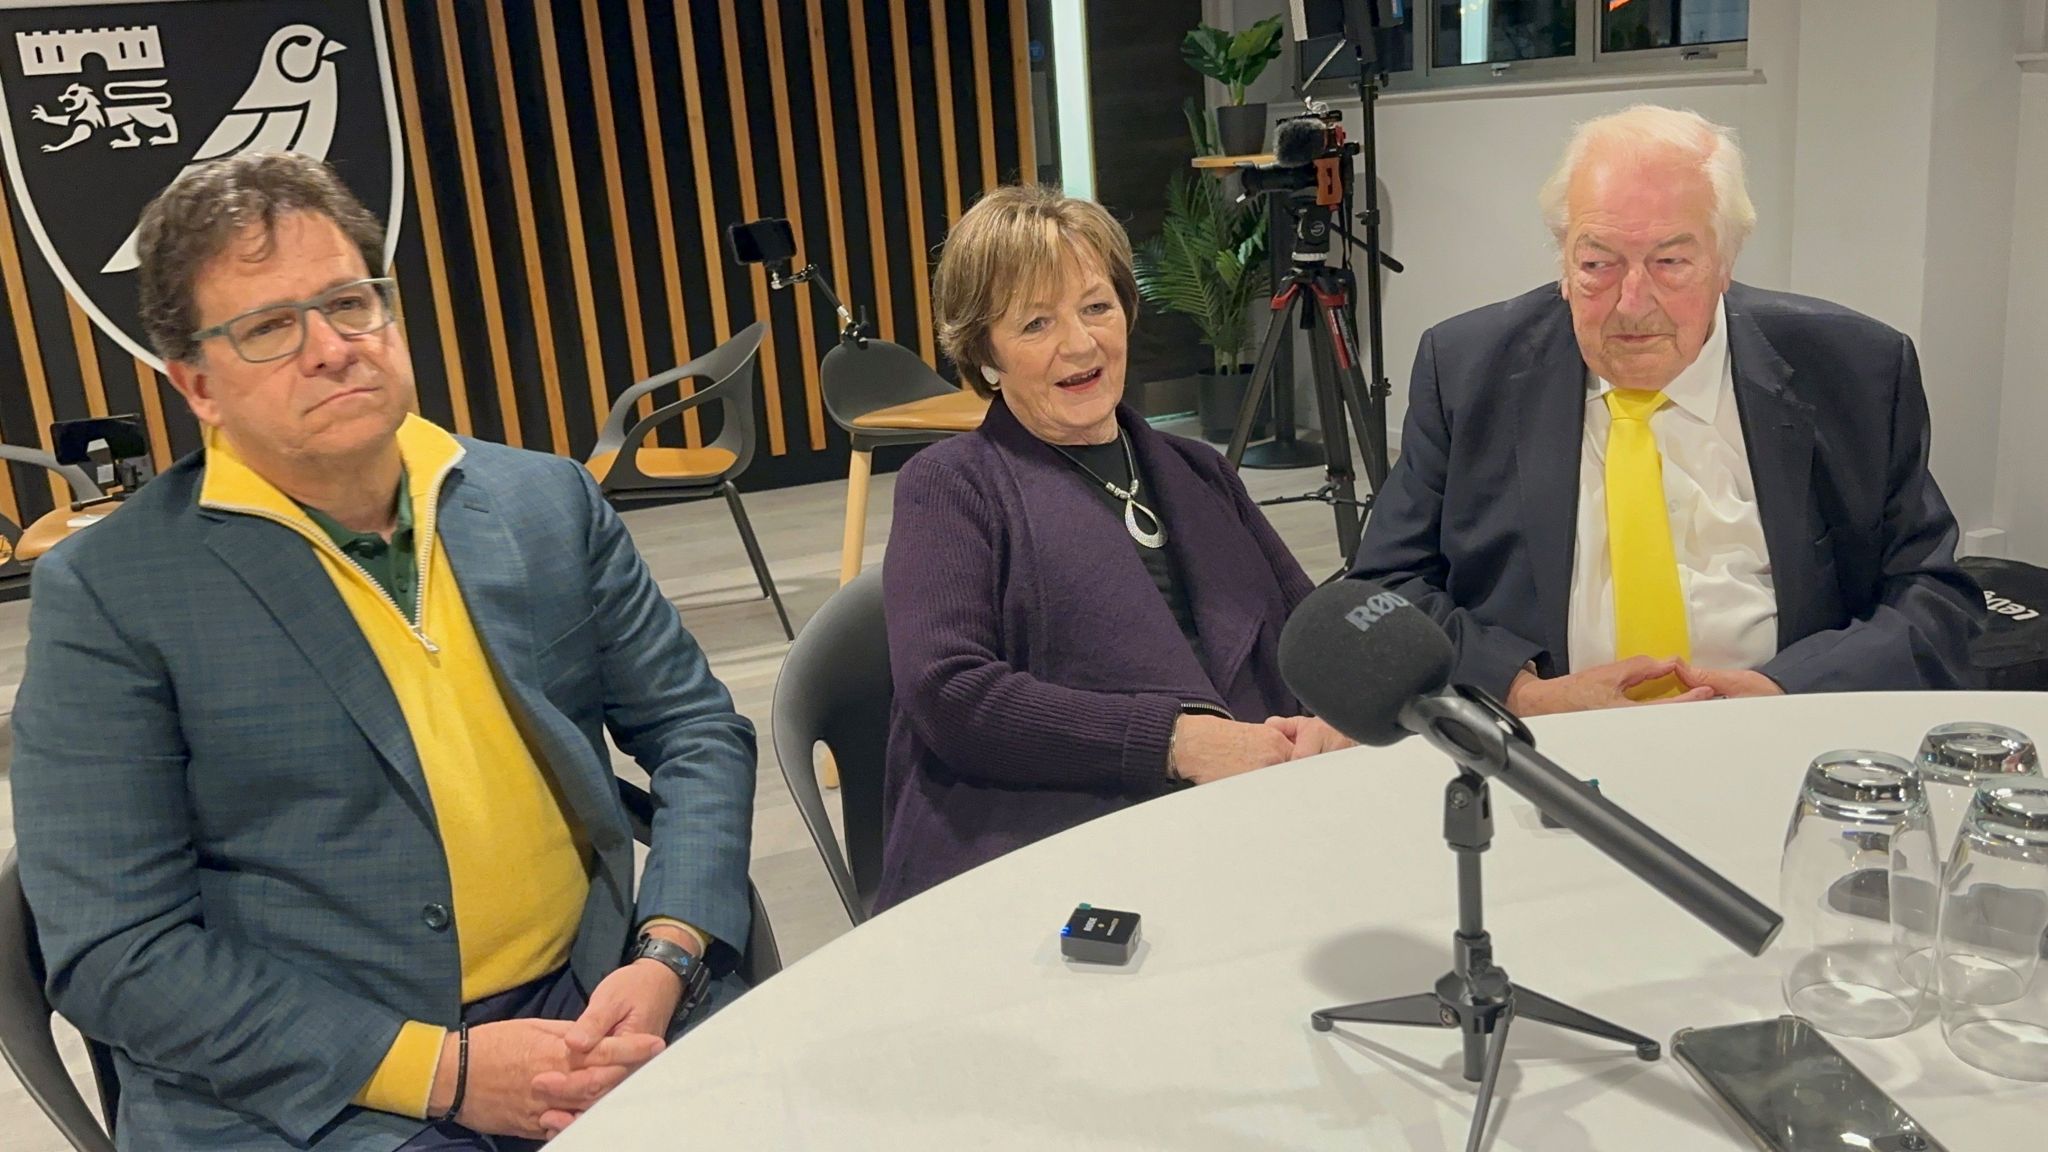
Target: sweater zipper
column 329, row 547
column 423, row 547
column 423, row 552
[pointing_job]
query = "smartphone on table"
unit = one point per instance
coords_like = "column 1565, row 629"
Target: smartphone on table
column 1793, row 1091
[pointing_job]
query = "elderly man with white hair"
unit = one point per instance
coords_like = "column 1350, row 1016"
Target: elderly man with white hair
column 1647, row 482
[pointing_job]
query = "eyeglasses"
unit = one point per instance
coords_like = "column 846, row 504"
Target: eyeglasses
column 276, row 331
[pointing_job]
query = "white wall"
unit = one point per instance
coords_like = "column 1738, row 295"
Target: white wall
column 2021, row 501
column 1861, row 155
column 1904, row 185
column 1896, row 167
column 1976, row 130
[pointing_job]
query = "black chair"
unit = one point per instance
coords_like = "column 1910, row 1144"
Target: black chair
column 883, row 395
column 30, row 1048
column 835, row 690
column 14, row 567
column 629, row 471
column 26, row 1039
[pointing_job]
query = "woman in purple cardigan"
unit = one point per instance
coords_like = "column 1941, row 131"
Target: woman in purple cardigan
column 1083, row 613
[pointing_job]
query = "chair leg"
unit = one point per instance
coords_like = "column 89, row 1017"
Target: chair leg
column 739, row 517
column 828, row 770
column 858, row 468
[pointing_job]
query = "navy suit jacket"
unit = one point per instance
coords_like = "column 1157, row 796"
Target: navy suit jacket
column 225, row 833
column 1479, row 517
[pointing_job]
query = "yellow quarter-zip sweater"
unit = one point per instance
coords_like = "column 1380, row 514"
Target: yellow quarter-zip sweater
column 492, row 800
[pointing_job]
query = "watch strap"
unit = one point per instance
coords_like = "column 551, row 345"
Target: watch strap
column 691, row 970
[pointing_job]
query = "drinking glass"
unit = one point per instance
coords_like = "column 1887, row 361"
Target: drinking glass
column 1992, row 989
column 1858, row 851
column 1955, row 758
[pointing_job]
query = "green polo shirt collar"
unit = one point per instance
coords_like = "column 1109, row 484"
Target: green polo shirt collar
column 394, row 565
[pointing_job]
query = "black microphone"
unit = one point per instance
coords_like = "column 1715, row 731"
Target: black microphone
column 1297, row 141
column 1375, row 668
column 1356, row 653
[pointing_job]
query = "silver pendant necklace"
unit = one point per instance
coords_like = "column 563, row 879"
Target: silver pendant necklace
column 1155, row 536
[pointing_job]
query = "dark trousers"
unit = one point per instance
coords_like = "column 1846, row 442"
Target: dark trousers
column 554, row 997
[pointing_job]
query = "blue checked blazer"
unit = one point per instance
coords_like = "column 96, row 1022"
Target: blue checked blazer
column 224, row 832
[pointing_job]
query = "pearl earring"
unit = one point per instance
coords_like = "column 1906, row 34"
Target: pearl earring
column 989, row 374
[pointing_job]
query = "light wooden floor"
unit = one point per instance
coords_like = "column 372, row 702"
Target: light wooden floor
column 700, row 565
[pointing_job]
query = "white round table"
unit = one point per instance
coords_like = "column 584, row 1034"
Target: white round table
column 952, row 1022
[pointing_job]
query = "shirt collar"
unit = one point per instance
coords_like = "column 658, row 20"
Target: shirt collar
column 231, row 485
column 1697, row 390
column 401, row 531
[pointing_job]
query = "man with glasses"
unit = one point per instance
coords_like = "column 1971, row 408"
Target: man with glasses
column 314, row 805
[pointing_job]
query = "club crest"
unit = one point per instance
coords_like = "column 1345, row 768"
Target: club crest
column 102, row 105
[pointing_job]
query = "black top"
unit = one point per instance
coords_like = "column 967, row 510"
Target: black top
column 1110, row 462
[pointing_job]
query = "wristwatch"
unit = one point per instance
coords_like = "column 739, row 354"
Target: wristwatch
column 696, row 977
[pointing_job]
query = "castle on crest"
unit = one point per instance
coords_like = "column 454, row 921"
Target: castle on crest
column 64, row 53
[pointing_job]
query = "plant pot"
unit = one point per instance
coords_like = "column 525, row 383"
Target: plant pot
column 1217, row 400
column 1241, row 129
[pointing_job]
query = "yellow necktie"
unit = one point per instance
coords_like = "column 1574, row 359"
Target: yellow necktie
column 1649, row 604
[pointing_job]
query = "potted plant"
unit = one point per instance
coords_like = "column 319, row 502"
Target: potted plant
column 1209, row 263
column 1235, row 62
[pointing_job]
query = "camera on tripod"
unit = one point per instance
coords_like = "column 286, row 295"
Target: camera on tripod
column 1310, row 161
column 1311, row 179
column 1312, row 169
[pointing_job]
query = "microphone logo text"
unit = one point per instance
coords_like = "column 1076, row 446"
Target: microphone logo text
column 1369, row 613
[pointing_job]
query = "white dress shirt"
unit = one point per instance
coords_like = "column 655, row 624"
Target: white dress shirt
column 1724, row 568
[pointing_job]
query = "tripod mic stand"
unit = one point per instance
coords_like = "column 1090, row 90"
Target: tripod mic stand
column 1376, row 668
column 1475, row 996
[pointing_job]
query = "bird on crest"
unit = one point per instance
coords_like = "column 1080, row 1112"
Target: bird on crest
column 288, row 107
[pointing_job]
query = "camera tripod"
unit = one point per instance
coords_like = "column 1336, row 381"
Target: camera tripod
column 1317, row 297
column 1344, row 390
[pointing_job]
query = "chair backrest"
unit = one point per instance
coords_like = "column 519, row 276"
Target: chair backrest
column 835, row 690
column 730, row 368
column 81, row 485
column 25, row 1037
column 761, row 958
column 12, row 567
column 856, row 381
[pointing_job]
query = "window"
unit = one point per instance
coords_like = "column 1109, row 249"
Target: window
column 1394, row 43
column 1635, row 25
column 1424, row 44
column 1503, row 30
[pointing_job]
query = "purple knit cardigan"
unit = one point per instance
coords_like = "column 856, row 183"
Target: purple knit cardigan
column 1038, row 671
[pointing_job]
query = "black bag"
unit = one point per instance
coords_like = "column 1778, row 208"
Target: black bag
column 2012, row 654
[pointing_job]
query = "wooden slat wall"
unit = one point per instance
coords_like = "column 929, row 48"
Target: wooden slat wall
column 405, row 76
column 572, row 167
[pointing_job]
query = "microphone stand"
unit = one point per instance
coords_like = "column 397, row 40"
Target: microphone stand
column 1476, row 997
